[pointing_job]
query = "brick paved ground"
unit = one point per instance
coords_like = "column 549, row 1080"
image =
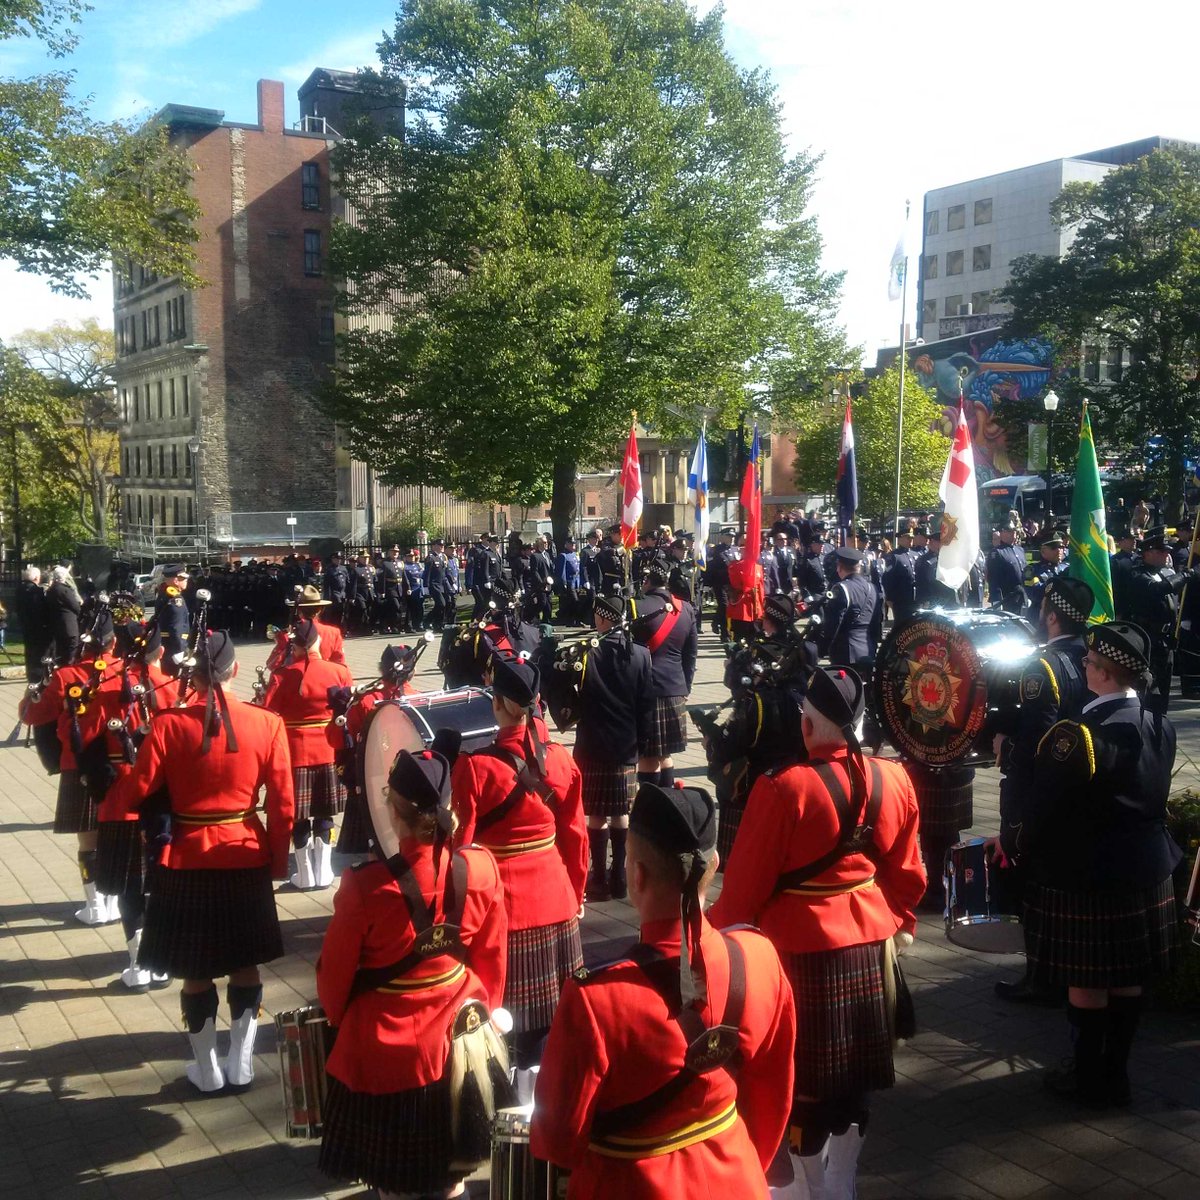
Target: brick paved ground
column 93, row 1101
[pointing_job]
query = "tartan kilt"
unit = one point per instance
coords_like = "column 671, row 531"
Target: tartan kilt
column 319, row 792
column 608, row 788
column 668, row 728
column 539, row 961
column 75, row 808
column 1100, row 939
column 396, row 1141
column 843, row 1039
column 945, row 799
column 120, row 859
column 357, row 832
column 203, row 924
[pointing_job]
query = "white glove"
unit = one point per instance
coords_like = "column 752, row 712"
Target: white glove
column 901, row 941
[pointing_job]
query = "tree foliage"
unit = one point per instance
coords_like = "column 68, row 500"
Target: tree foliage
column 592, row 212
column 76, row 191
column 1130, row 279
column 874, row 415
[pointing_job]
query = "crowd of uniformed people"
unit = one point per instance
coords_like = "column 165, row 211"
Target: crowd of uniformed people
column 733, row 1049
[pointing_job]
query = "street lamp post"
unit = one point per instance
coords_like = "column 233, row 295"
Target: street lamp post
column 194, row 450
column 1050, row 404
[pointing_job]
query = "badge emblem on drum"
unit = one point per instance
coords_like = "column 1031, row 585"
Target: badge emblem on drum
column 931, row 689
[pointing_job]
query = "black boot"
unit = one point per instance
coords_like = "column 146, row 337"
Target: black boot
column 616, row 878
column 597, row 885
column 1084, row 1081
column 1029, row 991
column 1124, row 1012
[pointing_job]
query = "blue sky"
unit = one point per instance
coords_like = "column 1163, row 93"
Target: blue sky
column 898, row 98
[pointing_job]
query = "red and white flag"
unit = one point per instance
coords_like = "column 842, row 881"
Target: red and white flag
column 631, row 490
column 960, row 521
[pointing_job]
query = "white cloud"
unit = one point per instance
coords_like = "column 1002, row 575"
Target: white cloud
column 26, row 302
column 349, row 52
column 179, row 22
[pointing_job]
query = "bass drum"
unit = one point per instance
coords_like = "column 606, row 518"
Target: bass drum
column 947, row 680
column 410, row 724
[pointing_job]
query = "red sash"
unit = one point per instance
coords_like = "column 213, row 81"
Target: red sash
column 669, row 621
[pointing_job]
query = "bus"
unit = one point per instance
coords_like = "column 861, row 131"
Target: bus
column 1027, row 495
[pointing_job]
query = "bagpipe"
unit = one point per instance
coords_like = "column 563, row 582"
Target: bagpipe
column 186, row 659
column 45, row 736
column 563, row 667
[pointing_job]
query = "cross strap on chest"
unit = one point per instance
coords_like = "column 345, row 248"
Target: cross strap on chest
column 526, row 781
column 709, row 1048
column 431, row 937
column 854, row 837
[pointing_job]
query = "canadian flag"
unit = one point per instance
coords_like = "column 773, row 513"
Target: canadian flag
column 960, row 520
column 631, row 490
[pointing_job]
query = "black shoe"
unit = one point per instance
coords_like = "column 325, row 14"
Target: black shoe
column 1024, row 991
column 597, row 891
column 617, row 888
column 1064, row 1084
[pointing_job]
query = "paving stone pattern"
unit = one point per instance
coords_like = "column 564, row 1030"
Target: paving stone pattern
column 94, row 1103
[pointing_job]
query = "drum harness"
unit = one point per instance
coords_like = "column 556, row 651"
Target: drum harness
column 709, row 1048
column 527, row 782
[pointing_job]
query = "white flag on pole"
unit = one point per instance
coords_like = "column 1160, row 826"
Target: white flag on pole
column 899, row 266
column 960, row 521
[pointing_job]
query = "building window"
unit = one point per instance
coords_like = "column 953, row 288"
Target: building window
column 137, row 467
column 325, row 333
column 1091, row 363
column 983, row 212
column 139, row 510
column 186, row 404
column 956, row 216
column 187, row 464
column 312, row 252
column 954, row 262
column 931, row 222
column 953, row 304
column 159, row 388
column 591, row 510
column 175, row 329
column 981, row 258
column 981, row 302
column 125, row 405
column 191, row 512
column 171, row 393
column 929, row 266
column 175, row 510
column 1115, row 362
column 174, row 463
column 162, row 468
column 162, row 509
column 928, row 312
column 310, row 185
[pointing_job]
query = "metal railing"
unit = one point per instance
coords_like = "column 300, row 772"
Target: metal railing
column 161, row 542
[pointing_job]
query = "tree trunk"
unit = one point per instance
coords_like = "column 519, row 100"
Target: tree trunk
column 562, row 502
column 100, row 508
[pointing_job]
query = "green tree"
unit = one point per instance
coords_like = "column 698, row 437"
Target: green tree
column 1130, row 280
column 76, row 191
column 591, row 212
column 78, row 443
column 874, row 414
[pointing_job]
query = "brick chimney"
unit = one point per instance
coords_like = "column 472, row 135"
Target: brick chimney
column 270, row 106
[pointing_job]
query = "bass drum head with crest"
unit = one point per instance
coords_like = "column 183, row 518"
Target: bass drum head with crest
column 946, row 679
column 410, row 724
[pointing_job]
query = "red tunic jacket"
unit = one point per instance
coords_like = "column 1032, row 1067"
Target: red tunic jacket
column 542, row 886
column 299, row 693
column 332, row 647
column 52, row 706
column 614, row 1041
column 392, row 1041
column 216, row 786
column 789, row 822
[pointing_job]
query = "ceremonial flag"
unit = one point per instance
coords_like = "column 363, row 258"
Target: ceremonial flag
column 698, row 495
column 752, row 502
column 847, row 476
column 1089, row 541
column 960, row 520
column 631, row 490
column 899, row 266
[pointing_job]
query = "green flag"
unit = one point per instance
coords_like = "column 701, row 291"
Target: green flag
column 1089, row 537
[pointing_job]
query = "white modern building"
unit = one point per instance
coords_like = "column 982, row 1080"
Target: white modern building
column 974, row 230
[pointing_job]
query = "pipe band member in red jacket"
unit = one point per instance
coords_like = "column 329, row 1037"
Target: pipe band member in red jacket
column 669, row 1072
column 827, row 865
column 416, row 943
column 211, row 910
column 299, row 692
column 522, row 798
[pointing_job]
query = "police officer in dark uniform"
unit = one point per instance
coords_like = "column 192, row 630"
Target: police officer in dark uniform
column 171, row 614
column 414, row 575
column 810, row 568
column 1006, row 571
column 613, row 561
column 1052, row 564
column 393, row 582
column 1154, row 590
column 645, row 553
column 337, row 588
column 785, row 562
column 682, row 581
column 844, row 635
column 589, row 575
column 1122, row 566
column 900, row 577
column 360, row 593
column 717, row 577
column 437, row 583
column 1053, row 688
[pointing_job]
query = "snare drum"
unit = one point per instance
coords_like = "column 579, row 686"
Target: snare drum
column 516, row 1174
column 305, row 1039
column 979, row 913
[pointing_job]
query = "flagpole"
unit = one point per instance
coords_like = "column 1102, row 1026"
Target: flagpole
column 903, row 362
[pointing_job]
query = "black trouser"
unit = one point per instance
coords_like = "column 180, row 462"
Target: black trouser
column 719, row 620
column 416, row 612
column 1162, row 667
column 441, row 605
column 481, row 601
